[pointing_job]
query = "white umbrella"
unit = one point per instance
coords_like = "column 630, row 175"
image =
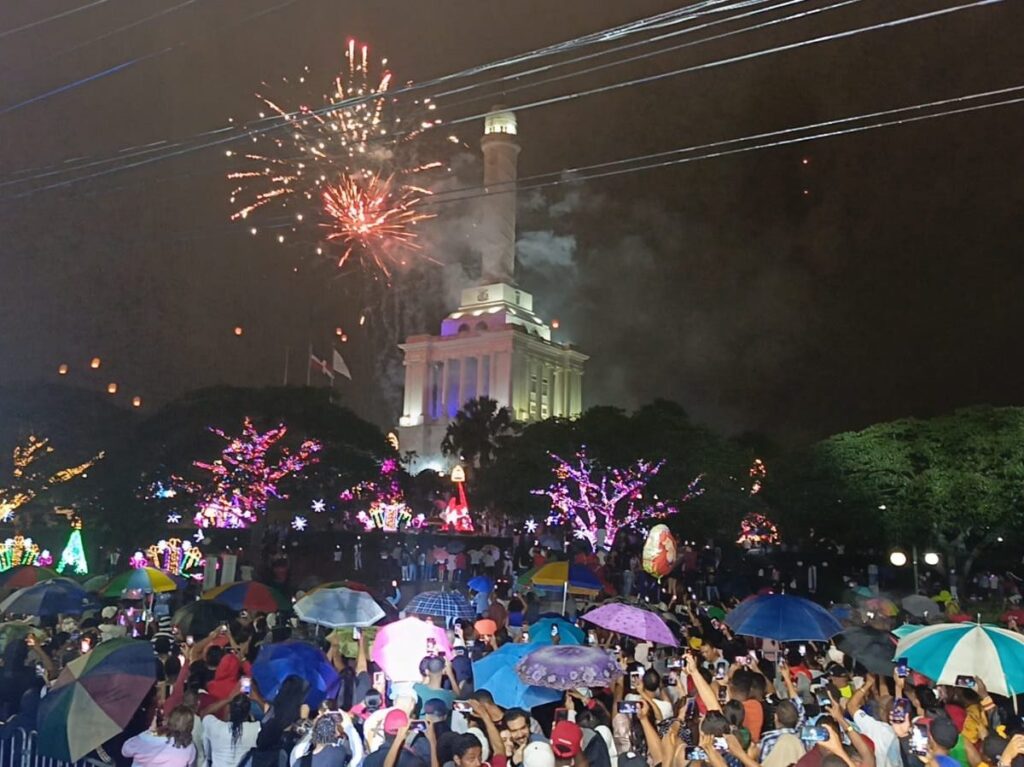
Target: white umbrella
column 338, row 608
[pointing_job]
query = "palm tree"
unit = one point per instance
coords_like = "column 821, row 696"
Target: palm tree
column 478, row 430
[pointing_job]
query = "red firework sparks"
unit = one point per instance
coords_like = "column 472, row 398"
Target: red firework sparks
column 371, row 214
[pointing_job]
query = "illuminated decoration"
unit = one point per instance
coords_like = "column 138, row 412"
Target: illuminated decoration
column 659, row 552
column 299, row 523
column 19, row 550
column 73, row 555
column 111, row 388
column 393, row 441
column 239, row 330
column 160, row 490
column 455, row 517
column 94, row 363
column 45, row 558
column 600, row 502
column 173, row 556
column 244, row 479
column 62, row 370
column 318, row 506
column 758, row 471
column 531, row 526
column 199, row 537
column 173, row 518
column 388, row 510
column 28, row 482
column 756, row 530
column 136, row 401
column 346, row 174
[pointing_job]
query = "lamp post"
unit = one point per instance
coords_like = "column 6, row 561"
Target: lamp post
column 898, row 558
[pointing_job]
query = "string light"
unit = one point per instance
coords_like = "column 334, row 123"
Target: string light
column 73, row 555
column 18, row 551
column 29, row 481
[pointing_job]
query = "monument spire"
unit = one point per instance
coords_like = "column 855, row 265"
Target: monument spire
column 498, row 206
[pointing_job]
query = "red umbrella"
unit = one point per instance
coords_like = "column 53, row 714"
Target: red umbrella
column 25, row 575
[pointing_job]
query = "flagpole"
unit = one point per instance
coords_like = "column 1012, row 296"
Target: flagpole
column 309, row 367
column 287, row 352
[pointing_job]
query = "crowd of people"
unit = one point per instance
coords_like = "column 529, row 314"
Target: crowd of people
column 716, row 699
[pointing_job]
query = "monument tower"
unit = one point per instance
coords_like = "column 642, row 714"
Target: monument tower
column 493, row 345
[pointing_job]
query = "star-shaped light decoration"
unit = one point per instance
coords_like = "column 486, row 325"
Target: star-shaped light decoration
column 199, row 537
column 173, row 518
column 299, row 524
column 531, row 525
column 319, row 506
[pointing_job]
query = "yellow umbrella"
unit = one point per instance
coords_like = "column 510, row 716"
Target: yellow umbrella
column 571, row 579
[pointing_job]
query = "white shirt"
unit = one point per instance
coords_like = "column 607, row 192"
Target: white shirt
column 887, row 745
column 217, row 741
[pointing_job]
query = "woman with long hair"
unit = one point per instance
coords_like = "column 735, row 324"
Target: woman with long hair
column 227, row 742
column 167, row 746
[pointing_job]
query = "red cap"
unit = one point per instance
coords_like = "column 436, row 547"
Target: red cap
column 566, row 740
column 395, row 720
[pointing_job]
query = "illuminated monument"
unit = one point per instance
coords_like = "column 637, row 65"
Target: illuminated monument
column 493, row 345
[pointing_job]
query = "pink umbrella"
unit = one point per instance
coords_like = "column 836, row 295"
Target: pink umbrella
column 399, row 647
column 439, row 554
column 633, row 622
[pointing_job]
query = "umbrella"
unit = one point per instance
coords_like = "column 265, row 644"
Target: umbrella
column 399, row 647
column 496, row 673
column 566, row 667
column 347, row 645
column 95, row 583
column 390, row 611
column 920, row 606
column 198, row 619
column 336, row 608
column 481, row 583
column 906, row 629
column 569, row 633
column 276, row 662
column 948, row 650
column 455, row 546
column 248, row 595
column 438, row 555
column 144, row 580
column 1016, row 614
column 95, row 697
column 442, row 604
column 633, row 622
column 491, row 549
column 841, row 612
column 574, row 579
column 870, row 647
column 52, row 597
column 716, row 612
column 25, row 575
column 783, row 618
column 882, row 606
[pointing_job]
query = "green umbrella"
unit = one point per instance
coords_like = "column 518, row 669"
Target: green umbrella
column 716, row 612
column 347, row 645
column 95, row 698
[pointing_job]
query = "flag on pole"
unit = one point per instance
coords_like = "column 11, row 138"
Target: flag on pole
column 338, row 363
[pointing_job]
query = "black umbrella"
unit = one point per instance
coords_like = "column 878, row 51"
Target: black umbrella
column 871, row 648
column 199, row 618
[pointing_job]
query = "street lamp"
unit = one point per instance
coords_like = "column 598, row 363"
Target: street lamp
column 931, row 558
column 898, row 558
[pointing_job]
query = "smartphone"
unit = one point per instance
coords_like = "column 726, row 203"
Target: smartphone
column 675, row 663
column 378, row 681
column 721, row 744
column 723, row 694
column 721, row 669
column 561, row 715
column 459, row 650
column 526, row 637
column 86, row 645
column 554, row 630
column 965, row 681
column 245, row 685
column 418, row 725
column 356, row 633
column 715, row 624
column 629, row 707
column 634, row 680
column 902, row 669
column 822, row 696
column 900, row 710
column 743, row 660
column 811, row 734
column 592, row 637
column 190, row 640
column 691, row 710
column 695, row 754
column 919, row 739
column 672, row 679
column 802, row 649
column 431, row 645
column 462, row 707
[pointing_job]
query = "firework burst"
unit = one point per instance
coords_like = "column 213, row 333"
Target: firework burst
column 346, row 177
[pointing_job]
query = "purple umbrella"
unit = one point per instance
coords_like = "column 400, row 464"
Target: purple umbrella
column 632, row 622
column 565, row 667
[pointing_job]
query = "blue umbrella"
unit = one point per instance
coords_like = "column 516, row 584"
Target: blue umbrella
column 949, row 650
column 842, row 612
column 481, row 583
column 53, row 597
column 496, row 673
column 569, row 633
column 784, row 618
column 443, row 604
column 276, row 662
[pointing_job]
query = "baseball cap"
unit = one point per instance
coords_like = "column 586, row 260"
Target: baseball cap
column 834, row 669
column 566, row 740
column 395, row 720
column 943, row 731
column 538, row 754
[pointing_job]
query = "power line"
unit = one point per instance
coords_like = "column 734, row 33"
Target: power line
column 48, row 19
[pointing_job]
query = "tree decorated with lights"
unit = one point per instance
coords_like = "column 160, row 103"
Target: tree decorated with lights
column 595, row 500
column 73, row 555
column 387, row 510
column 28, row 477
column 245, row 477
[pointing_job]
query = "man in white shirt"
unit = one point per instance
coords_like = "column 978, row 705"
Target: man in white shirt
column 887, row 745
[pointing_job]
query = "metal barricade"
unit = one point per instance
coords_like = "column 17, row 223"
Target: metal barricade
column 20, row 749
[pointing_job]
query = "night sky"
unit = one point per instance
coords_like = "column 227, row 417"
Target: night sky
column 880, row 278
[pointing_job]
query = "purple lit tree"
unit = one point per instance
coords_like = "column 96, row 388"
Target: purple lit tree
column 245, row 477
column 593, row 499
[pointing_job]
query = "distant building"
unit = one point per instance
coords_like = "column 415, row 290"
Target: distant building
column 493, row 345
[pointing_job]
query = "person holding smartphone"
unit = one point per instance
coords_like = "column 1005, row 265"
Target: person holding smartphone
column 877, row 727
column 226, row 742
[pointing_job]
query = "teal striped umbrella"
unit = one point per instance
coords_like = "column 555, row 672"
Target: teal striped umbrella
column 906, row 629
column 949, row 650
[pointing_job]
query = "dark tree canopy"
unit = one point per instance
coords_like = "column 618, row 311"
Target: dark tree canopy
column 478, row 431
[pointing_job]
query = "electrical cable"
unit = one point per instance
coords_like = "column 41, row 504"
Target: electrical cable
column 48, row 19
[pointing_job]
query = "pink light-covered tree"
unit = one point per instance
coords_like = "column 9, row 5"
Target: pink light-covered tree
column 245, row 477
column 592, row 498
